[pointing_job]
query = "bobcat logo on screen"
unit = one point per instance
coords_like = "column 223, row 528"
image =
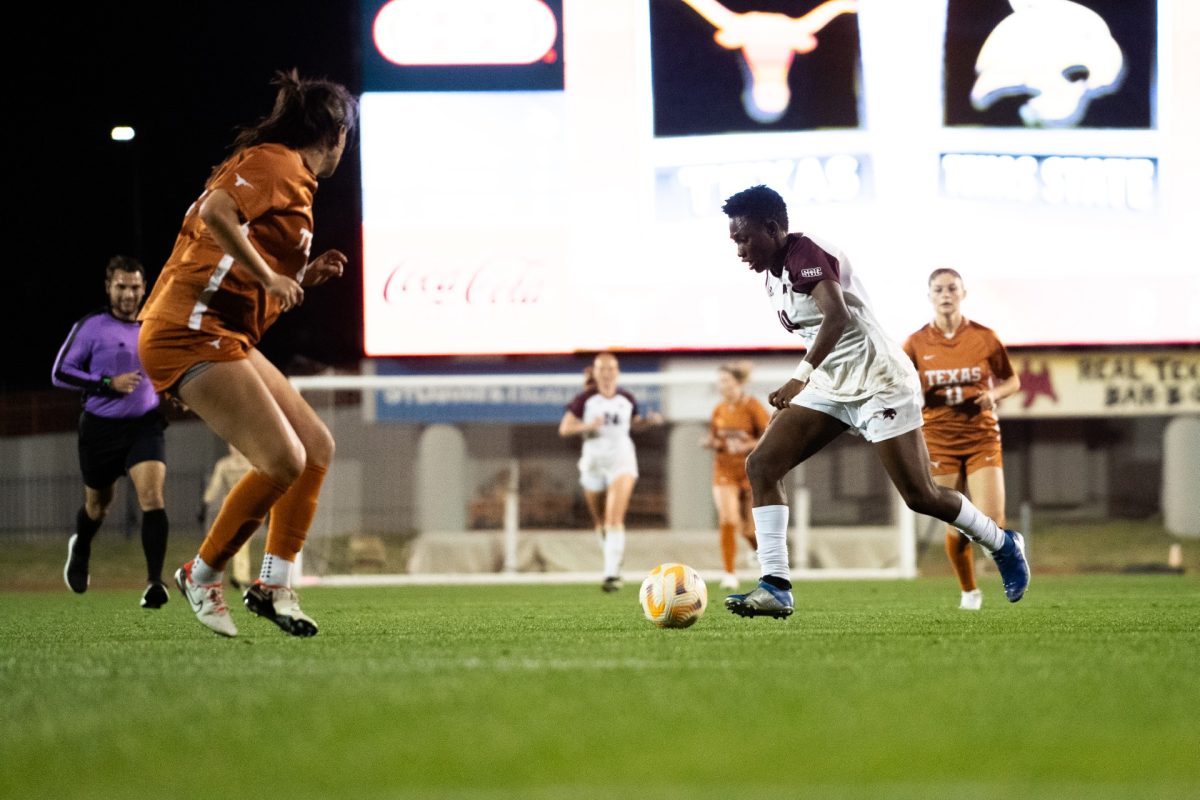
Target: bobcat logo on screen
column 1059, row 53
column 768, row 42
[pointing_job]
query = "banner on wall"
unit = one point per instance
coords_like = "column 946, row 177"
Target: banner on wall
column 1105, row 384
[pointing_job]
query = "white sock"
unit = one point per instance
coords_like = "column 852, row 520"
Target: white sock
column 600, row 537
column 276, row 571
column 978, row 527
column 771, row 523
column 203, row 573
column 614, row 550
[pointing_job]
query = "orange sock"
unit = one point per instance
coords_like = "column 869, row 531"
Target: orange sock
column 962, row 558
column 240, row 515
column 293, row 514
column 728, row 544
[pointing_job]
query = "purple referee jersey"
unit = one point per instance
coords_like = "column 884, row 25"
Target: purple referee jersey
column 101, row 346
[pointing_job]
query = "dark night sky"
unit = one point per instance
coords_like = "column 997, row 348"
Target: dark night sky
column 185, row 75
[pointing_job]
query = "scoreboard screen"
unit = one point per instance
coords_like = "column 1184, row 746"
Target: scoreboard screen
column 546, row 176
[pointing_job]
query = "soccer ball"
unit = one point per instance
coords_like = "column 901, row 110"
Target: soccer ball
column 673, row 596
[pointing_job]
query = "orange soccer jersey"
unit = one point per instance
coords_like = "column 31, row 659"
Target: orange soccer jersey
column 955, row 370
column 744, row 419
column 203, row 289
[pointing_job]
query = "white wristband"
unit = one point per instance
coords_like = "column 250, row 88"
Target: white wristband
column 804, row 370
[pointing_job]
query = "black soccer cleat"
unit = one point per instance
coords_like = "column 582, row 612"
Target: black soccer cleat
column 155, row 596
column 75, row 573
column 280, row 605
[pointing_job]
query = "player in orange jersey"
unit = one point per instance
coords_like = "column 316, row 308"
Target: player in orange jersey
column 737, row 423
column 241, row 260
column 964, row 373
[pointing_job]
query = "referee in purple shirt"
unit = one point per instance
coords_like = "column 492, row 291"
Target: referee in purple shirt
column 121, row 427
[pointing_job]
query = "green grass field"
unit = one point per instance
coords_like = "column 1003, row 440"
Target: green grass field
column 1088, row 688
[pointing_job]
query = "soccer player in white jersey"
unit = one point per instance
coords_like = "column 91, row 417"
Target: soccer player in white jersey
column 852, row 378
column 603, row 414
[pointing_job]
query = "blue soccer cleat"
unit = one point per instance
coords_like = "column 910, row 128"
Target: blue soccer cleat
column 1014, row 569
column 764, row 601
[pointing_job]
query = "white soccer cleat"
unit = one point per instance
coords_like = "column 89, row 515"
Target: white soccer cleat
column 207, row 600
column 729, row 581
column 972, row 600
column 280, row 605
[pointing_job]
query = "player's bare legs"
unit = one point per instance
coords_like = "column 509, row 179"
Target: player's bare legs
column 234, row 400
column 97, row 501
column 148, row 478
column 795, row 434
column 595, row 506
column 986, row 488
column 746, row 505
column 959, row 549
column 271, row 596
column 906, row 460
column 253, row 407
column 616, row 504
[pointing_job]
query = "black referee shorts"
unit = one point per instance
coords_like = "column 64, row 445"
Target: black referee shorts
column 108, row 447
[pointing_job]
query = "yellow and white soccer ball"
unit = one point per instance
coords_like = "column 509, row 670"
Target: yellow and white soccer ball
column 673, row 596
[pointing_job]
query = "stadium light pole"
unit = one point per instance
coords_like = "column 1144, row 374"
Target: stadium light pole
column 125, row 137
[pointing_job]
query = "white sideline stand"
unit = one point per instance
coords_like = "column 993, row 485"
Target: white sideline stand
column 807, row 544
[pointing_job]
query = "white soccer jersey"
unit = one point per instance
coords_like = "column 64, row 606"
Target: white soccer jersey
column 617, row 412
column 864, row 361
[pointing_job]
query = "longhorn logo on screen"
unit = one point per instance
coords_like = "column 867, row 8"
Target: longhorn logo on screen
column 768, row 42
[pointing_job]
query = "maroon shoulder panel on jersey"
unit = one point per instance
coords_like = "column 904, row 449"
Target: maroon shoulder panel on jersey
column 807, row 264
column 632, row 400
column 577, row 402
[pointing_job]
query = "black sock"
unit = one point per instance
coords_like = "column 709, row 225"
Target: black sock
column 778, row 583
column 154, row 542
column 86, row 527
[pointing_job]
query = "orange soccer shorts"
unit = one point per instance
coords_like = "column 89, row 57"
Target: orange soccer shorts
column 167, row 351
column 731, row 475
column 988, row 455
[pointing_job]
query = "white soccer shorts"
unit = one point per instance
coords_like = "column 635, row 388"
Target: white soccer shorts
column 893, row 412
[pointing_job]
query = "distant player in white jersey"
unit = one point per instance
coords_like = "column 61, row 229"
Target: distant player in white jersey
column 853, row 378
column 604, row 414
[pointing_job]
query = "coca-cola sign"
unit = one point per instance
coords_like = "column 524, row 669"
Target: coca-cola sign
column 500, row 281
